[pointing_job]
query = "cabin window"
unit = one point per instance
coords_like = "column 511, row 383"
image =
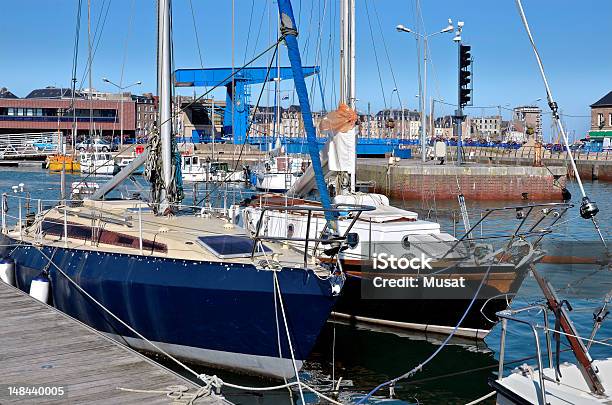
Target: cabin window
column 195, row 160
column 406, row 242
column 187, row 161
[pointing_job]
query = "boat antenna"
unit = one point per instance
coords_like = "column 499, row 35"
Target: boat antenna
column 588, row 208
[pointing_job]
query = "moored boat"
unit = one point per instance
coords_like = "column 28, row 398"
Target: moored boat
column 184, row 278
column 57, row 163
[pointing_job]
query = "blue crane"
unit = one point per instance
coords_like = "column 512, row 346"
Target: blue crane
column 237, row 126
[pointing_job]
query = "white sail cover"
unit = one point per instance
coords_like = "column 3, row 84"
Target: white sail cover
column 337, row 155
column 340, row 151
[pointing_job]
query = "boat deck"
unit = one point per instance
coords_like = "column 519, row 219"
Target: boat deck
column 103, row 225
column 42, row 347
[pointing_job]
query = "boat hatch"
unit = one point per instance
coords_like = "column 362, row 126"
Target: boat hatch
column 231, row 246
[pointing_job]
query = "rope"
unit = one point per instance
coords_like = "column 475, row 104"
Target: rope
column 419, row 367
column 482, row 398
column 248, row 128
column 178, row 393
column 277, row 290
column 599, row 342
column 555, row 114
column 382, row 88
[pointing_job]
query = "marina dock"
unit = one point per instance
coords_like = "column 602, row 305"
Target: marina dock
column 45, row 351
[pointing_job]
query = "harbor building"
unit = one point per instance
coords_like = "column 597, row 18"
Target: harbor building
column 51, row 109
column 531, row 118
column 601, row 120
column 146, row 112
column 488, row 127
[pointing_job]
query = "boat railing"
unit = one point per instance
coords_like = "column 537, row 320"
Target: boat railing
column 31, row 211
column 347, row 210
column 536, row 220
column 510, row 315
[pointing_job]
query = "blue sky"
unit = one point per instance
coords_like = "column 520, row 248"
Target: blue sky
column 573, row 38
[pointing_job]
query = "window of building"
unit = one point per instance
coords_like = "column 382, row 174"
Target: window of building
column 600, row 119
column 610, row 119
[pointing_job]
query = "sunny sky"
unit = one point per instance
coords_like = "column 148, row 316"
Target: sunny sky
column 573, row 38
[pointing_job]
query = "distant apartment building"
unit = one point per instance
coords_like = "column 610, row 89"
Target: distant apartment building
column 290, row 123
column 52, row 109
column 531, row 119
column 146, row 112
column 601, row 119
column 488, row 127
column 393, row 123
column 383, row 124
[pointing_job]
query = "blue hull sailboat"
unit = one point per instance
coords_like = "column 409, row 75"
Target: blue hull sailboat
column 185, row 279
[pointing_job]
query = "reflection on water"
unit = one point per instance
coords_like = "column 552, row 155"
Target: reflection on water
column 364, row 357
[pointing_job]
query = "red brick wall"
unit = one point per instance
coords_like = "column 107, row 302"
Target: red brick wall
column 417, row 186
column 128, row 109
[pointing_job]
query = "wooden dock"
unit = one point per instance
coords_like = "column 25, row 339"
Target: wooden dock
column 43, row 347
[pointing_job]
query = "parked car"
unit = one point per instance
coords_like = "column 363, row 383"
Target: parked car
column 96, row 144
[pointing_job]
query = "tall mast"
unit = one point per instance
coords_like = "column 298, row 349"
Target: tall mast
column 347, row 52
column 351, row 59
column 347, row 66
column 165, row 95
column 343, row 50
column 90, row 67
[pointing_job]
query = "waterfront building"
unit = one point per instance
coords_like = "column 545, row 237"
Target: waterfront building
column 488, row 127
column 601, row 120
column 146, row 113
column 531, row 118
column 51, row 109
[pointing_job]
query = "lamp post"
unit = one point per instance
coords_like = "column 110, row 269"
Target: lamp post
column 121, row 88
column 402, row 136
column 423, row 97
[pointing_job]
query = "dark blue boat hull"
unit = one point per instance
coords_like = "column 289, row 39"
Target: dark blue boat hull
column 209, row 312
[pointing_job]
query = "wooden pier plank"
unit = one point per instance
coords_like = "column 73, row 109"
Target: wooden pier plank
column 39, row 345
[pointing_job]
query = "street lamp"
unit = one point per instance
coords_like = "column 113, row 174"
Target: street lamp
column 121, row 88
column 402, row 28
column 402, row 110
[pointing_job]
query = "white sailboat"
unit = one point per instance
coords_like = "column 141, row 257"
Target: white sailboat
column 97, row 163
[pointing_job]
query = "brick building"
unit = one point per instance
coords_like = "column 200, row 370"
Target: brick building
column 531, row 119
column 52, row 109
column 146, row 112
column 601, row 119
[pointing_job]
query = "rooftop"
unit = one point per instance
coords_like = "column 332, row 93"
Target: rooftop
column 5, row 93
column 605, row 101
column 53, row 92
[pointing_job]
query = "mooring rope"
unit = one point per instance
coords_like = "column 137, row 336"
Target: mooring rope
column 482, row 398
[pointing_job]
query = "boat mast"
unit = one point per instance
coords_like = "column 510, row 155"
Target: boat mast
column 165, row 95
column 347, row 66
column 90, row 67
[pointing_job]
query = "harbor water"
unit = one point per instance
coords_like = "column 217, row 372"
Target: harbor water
column 361, row 357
